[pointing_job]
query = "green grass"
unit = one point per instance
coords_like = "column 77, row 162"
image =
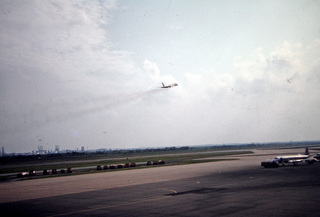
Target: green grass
column 176, row 159
column 170, row 160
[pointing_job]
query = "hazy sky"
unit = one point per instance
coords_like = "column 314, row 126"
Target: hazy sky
column 87, row 73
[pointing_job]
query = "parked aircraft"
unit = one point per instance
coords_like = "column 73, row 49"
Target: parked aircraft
column 169, row 86
column 294, row 159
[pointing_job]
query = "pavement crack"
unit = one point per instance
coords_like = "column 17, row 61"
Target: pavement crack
column 198, row 191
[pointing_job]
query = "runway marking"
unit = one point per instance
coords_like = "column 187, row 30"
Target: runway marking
column 112, row 206
column 175, row 192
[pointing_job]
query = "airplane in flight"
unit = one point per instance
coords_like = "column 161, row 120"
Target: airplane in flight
column 169, row 86
column 294, row 159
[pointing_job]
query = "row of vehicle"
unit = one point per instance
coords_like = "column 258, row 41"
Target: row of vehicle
column 155, row 162
column 126, row 165
column 23, row 174
column 56, row 171
column 45, row 172
column 99, row 167
column 113, row 166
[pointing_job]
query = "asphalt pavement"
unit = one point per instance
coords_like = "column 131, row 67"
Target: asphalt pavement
column 235, row 188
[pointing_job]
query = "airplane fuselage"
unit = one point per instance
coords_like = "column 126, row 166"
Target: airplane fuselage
column 290, row 157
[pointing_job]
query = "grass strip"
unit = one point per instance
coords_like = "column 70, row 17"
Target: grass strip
column 185, row 158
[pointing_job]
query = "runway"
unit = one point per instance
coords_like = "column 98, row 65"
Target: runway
column 233, row 188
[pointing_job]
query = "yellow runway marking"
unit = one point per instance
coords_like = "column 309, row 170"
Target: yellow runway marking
column 112, row 206
column 173, row 191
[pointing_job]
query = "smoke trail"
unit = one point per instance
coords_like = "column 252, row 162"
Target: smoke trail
column 103, row 103
column 62, row 111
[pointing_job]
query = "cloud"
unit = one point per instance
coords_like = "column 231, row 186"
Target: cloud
column 67, row 40
column 61, row 74
column 152, row 69
column 174, row 27
column 269, row 96
column 288, row 64
column 285, row 84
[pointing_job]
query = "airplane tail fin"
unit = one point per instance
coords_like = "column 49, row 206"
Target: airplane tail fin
column 307, row 151
column 163, row 84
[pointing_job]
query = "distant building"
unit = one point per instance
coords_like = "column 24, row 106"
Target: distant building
column 40, row 149
column 57, row 149
column 3, row 153
column 82, row 148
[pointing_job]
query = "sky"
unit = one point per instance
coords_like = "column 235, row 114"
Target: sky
column 88, row 73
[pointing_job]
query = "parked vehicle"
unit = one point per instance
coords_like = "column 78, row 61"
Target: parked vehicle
column 161, row 162
column 112, row 166
column 133, row 165
column 32, row 173
column 46, row 172
column 22, row 174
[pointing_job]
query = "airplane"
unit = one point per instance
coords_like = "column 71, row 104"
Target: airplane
column 292, row 158
column 169, row 86
column 289, row 159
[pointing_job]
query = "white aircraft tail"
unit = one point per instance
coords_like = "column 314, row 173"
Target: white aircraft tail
column 163, row 84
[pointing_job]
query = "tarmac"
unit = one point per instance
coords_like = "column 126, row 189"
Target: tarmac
column 226, row 188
